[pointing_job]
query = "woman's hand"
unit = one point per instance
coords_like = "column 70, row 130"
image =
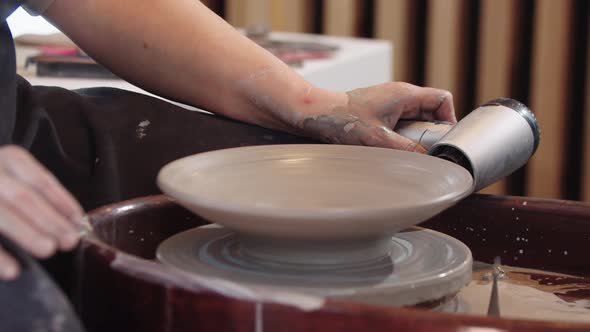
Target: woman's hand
column 367, row 116
column 36, row 212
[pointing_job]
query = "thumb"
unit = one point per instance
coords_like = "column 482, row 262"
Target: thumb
column 393, row 140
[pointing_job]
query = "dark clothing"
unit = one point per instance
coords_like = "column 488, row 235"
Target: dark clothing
column 7, row 7
column 33, row 302
column 7, row 82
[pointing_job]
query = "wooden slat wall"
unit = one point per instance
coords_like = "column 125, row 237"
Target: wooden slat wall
column 280, row 15
column 242, row 13
column 433, row 46
column 341, row 17
column 292, row 15
column 586, row 160
column 393, row 21
column 445, row 44
column 550, row 83
column 496, row 52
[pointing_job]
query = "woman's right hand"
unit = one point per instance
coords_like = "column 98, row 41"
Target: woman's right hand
column 36, row 212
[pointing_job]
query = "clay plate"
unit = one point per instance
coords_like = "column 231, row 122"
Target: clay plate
column 314, row 191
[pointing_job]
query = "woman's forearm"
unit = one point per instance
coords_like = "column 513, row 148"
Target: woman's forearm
column 181, row 50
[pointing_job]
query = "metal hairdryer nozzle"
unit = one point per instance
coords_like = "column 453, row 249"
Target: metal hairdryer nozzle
column 491, row 142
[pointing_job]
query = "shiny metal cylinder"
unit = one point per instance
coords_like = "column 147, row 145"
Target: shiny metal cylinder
column 423, row 132
column 492, row 141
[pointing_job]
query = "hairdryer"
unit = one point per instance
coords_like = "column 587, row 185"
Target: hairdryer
column 491, row 142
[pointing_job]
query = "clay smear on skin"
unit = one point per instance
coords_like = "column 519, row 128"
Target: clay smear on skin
column 339, row 126
column 342, row 127
column 335, row 128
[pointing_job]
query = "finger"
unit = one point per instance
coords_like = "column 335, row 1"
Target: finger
column 386, row 138
column 430, row 104
column 25, row 168
column 9, row 268
column 446, row 108
column 35, row 210
column 17, row 229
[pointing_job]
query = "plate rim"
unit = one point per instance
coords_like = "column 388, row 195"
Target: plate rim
column 203, row 201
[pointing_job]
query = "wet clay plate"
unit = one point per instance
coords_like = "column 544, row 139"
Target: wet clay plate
column 315, row 191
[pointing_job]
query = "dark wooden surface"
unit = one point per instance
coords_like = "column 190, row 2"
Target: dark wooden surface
column 121, row 288
column 553, row 235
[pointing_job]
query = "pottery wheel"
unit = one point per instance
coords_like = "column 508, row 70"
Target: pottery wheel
column 422, row 265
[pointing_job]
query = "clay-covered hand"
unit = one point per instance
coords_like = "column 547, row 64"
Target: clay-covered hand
column 368, row 115
column 36, row 212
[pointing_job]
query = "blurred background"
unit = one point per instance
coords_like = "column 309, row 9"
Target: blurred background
column 535, row 51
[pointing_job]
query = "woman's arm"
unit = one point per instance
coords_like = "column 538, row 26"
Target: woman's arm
column 181, row 50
